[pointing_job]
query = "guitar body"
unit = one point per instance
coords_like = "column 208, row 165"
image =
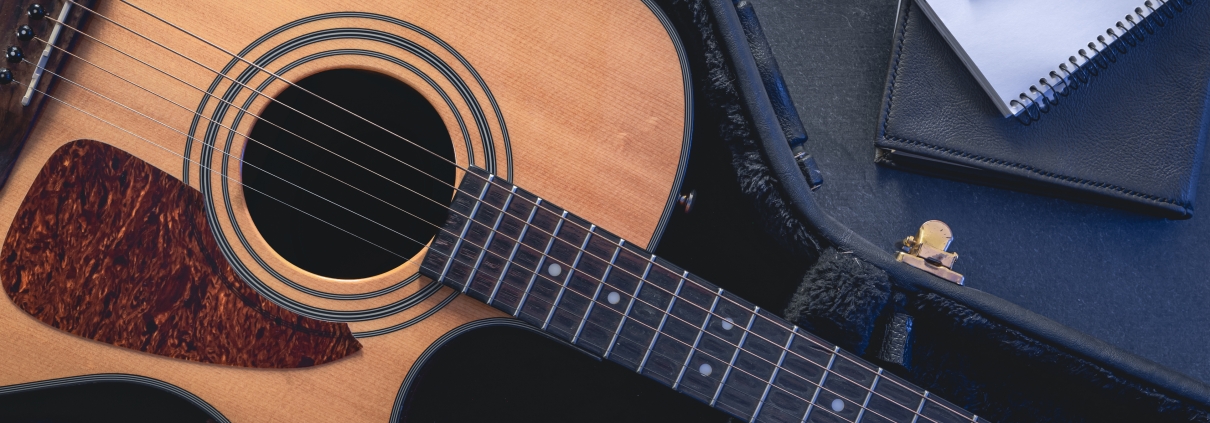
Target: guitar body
column 584, row 103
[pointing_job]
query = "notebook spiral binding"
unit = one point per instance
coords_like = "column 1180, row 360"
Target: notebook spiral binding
column 1069, row 77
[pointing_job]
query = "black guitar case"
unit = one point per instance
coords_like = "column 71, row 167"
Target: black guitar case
column 983, row 352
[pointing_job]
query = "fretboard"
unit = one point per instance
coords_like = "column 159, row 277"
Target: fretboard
column 527, row 257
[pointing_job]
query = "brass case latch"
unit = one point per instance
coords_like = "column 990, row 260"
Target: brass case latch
column 927, row 251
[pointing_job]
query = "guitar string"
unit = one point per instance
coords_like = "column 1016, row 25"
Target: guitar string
column 278, row 77
column 451, row 256
column 259, row 119
column 554, row 308
column 220, row 124
column 291, row 83
column 141, row 114
column 291, row 183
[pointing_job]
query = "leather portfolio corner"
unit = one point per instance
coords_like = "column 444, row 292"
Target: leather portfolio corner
column 1131, row 136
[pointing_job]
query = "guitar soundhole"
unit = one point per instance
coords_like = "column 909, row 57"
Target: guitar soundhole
column 293, row 220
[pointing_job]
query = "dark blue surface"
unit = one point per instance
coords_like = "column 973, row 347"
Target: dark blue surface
column 1135, row 281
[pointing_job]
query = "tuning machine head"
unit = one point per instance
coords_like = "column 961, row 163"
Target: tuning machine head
column 13, row 54
column 25, row 33
column 36, row 11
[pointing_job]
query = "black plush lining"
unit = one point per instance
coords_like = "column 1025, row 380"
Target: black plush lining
column 986, row 367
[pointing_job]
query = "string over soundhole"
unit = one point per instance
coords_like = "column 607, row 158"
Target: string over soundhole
column 348, row 174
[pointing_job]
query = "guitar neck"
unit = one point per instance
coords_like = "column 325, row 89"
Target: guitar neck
column 527, row 257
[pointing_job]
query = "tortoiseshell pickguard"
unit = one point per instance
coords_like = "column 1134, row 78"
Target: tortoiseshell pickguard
column 108, row 247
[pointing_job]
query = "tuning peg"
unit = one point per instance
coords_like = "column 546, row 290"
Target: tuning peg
column 25, row 33
column 13, row 54
column 36, row 11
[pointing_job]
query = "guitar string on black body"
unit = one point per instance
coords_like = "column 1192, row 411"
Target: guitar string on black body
column 718, row 352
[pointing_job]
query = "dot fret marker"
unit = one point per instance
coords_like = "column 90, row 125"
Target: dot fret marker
column 613, row 297
column 554, row 269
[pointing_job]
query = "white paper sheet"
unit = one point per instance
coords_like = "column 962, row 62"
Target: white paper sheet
column 1010, row 44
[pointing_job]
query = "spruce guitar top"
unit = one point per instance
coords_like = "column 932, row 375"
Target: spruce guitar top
column 301, row 201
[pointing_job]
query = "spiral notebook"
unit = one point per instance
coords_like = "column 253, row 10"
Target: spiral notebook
column 1026, row 52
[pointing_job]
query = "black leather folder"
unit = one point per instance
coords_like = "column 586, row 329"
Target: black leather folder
column 1128, row 132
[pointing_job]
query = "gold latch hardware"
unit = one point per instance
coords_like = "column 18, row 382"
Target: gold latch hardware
column 927, row 251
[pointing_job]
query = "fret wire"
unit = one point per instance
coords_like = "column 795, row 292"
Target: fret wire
column 768, row 387
column 584, row 319
column 924, row 398
column 546, row 253
column 466, row 227
column 612, row 261
column 731, row 365
column 571, row 271
column 663, row 320
column 508, row 264
column 630, row 305
column 870, row 394
column 819, row 388
column 705, row 323
column 596, row 295
column 530, row 285
column 490, row 236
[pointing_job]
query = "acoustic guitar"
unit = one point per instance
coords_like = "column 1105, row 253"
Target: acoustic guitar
column 301, row 201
